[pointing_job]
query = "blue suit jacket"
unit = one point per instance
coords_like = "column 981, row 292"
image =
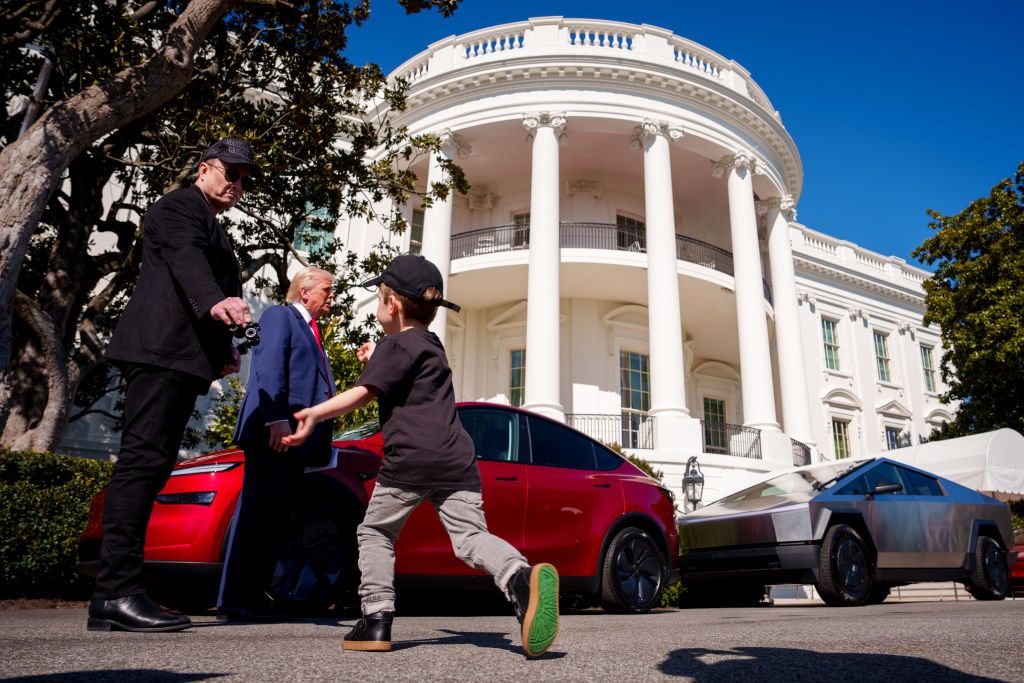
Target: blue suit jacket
column 287, row 374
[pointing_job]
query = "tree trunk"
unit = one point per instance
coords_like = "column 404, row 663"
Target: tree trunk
column 45, row 434
column 31, row 166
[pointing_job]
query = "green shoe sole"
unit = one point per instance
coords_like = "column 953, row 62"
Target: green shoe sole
column 540, row 623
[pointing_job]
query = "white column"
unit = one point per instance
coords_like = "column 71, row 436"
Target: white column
column 437, row 224
column 755, row 358
column 542, row 303
column 796, row 411
column 664, row 323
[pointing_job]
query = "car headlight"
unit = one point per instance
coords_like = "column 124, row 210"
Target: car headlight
column 194, row 498
column 205, row 469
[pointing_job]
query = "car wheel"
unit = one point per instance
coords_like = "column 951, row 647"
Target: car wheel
column 319, row 569
column 846, row 576
column 633, row 573
column 879, row 592
column 991, row 579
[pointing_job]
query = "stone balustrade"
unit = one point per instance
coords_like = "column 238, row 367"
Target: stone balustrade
column 556, row 36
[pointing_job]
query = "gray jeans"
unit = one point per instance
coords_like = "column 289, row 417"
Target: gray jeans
column 462, row 514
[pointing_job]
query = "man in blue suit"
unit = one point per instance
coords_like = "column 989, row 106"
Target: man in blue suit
column 289, row 372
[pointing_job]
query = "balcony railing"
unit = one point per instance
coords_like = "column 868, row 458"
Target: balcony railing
column 801, row 453
column 505, row 238
column 629, row 430
column 727, row 439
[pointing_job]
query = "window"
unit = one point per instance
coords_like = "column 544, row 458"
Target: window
column 556, row 446
column 315, row 231
column 883, row 474
column 882, row 357
column 416, row 232
column 516, row 376
column 495, row 433
column 830, row 339
column 635, row 395
column 918, row 484
column 521, row 229
column 631, row 235
column 928, row 368
column 714, row 426
column 893, row 438
column 841, row 438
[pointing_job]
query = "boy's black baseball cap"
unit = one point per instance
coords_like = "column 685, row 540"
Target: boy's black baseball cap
column 411, row 275
column 233, row 151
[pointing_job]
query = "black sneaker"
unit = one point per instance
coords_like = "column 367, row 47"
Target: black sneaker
column 372, row 633
column 534, row 593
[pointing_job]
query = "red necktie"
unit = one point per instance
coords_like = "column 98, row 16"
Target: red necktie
column 316, row 332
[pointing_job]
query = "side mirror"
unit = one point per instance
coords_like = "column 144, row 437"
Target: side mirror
column 885, row 488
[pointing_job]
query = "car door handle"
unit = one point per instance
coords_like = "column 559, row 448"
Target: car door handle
column 507, row 478
column 602, row 486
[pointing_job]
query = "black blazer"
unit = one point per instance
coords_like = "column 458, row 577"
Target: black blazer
column 188, row 265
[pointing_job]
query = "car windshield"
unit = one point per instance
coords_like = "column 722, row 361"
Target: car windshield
column 803, row 483
column 360, row 431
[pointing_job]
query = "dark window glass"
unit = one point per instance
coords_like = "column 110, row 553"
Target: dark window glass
column 607, row 459
column 918, row 484
column 495, row 433
column 867, row 481
column 558, row 447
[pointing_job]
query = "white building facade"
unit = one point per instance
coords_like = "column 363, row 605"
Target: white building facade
column 629, row 262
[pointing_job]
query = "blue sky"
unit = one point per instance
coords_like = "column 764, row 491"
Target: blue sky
column 896, row 107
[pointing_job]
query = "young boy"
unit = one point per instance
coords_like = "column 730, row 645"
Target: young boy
column 427, row 456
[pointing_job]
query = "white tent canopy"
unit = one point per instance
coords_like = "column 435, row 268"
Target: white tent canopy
column 992, row 462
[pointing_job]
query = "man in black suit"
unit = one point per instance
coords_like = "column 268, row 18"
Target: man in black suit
column 171, row 341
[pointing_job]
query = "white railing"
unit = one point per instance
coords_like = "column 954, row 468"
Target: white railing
column 491, row 43
column 891, row 268
column 554, row 37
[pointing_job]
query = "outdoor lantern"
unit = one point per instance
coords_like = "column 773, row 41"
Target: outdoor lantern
column 693, row 482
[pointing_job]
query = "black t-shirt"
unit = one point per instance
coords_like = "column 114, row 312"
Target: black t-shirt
column 425, row 445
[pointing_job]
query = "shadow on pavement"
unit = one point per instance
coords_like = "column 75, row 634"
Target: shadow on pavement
column 126, row 675
column 770, row 663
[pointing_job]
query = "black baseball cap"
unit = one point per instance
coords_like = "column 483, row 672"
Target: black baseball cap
column 233, row 151
column 411, row 275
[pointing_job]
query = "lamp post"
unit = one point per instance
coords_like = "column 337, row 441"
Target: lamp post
column 693, row 484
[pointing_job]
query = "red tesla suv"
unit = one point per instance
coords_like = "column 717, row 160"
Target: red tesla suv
column 554, row 493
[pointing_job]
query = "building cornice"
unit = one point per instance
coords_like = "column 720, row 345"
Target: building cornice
column 862, row 281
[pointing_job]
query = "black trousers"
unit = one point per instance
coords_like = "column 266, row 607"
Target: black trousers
column 268, row 521
column 158, row 405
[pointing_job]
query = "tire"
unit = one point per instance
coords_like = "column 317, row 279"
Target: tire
column 991, row 578
column 879, row 592
column 320, row 568
column 847, row 571
column 633, row 572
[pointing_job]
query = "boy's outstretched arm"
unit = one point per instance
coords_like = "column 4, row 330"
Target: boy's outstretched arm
column 341, row 404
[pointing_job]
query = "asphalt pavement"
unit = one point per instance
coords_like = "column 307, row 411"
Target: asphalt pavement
column 915, row 641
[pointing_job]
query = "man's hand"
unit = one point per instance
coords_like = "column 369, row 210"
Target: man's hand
column 278, row 431
column 365, row 351
column 231, row 311
column 234, row 366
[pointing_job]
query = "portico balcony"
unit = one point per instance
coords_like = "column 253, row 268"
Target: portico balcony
column 636, row 431
column 606, row 236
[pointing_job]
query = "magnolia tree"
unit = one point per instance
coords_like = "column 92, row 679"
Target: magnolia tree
column 139, row 90
column 977, row 296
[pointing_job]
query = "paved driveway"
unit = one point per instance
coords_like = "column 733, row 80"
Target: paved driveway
column 933, row 641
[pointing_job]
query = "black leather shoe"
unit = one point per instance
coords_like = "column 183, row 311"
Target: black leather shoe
column 134, row 613
column 372, row 633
